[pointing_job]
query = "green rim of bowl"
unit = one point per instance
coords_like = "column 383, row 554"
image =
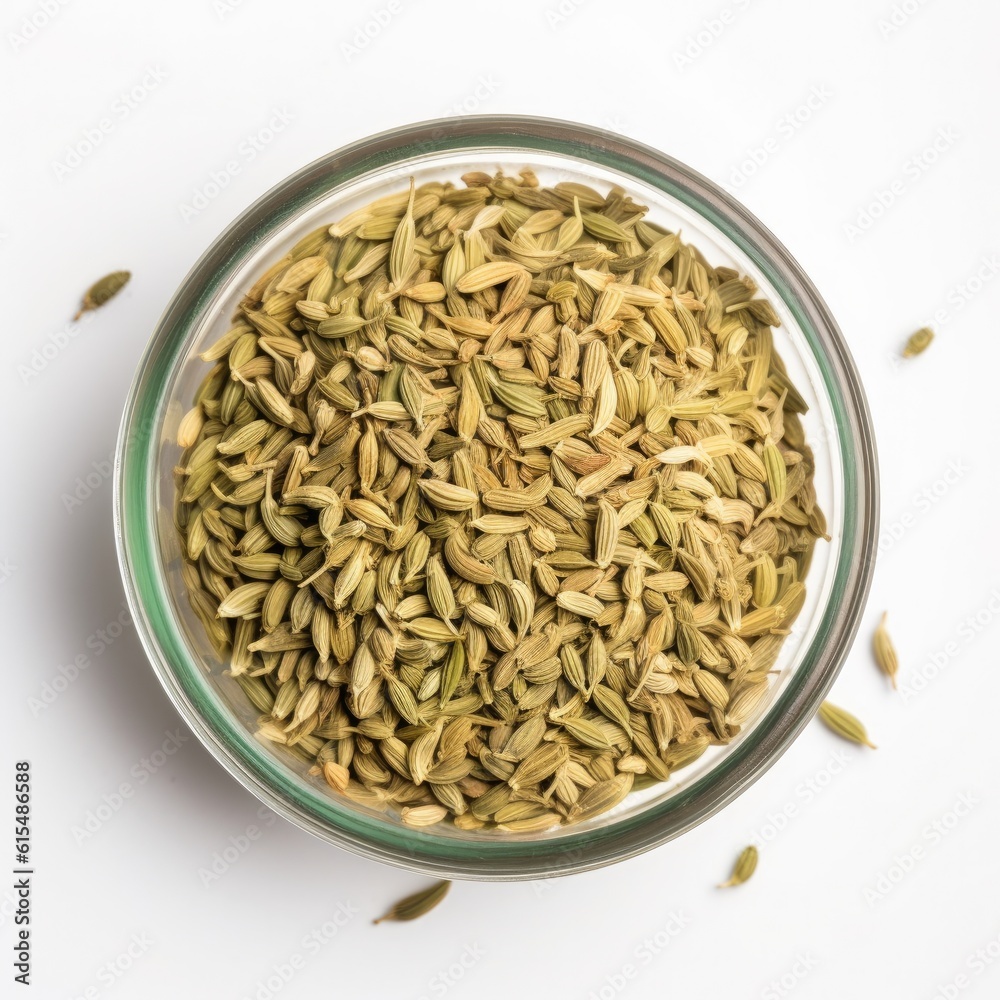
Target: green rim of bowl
column 322, row 815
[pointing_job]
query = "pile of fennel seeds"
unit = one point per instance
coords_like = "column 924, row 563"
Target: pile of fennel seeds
column 497, row 502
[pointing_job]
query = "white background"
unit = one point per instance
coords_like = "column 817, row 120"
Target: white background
column 216, row 76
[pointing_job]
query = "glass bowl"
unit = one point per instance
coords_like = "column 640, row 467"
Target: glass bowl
column 837, row 427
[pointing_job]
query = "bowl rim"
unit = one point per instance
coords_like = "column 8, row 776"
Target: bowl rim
column 573, row 850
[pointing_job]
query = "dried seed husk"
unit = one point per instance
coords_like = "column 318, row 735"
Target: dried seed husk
column 416, row 905
column 579, row 604
column 426, row 815
column 746, row 865
column 487, row 275
column 845, row 725
column 447, row 496
column 602, row 796
column 711, row 688
column 918, row 342
column 743, row 706
column 336, row 775
column 587, row 732
column 460, row 559
column 558, row 430
column 885, row 651
column 244, row 601
column 102, row 290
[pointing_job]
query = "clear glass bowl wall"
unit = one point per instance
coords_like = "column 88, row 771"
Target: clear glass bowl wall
column 837, row 428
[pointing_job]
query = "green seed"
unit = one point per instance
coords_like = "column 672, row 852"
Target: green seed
column 746, row 865
column 844, row 724
column 418, row 904
column 885, row 651
column 103, row 289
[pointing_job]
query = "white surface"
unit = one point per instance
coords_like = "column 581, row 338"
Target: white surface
column 218, row 74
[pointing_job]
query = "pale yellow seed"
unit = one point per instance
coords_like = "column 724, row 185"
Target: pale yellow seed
column 190, row 427
column 746, row 865
column 427, row 815
column 606, row 532
column 845, row 725
column 580, row 604
column 885, row 651
column 918, row 342
column 337, row 776
column 711, row 688
column 500, row 524
column 447, row 496
column 488, row 275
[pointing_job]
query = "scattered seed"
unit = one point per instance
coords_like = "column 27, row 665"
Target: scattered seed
column 418, row 904
column 918, row 342
column 885, row 652
column 103, row 289
column 844, row 724
column 746, row 865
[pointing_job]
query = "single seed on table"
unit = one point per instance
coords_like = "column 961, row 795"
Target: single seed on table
column 101, row 290
column 411, row 907
column 885, row 651
column 918, row 342
column 844, row 724
column 746, row 865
